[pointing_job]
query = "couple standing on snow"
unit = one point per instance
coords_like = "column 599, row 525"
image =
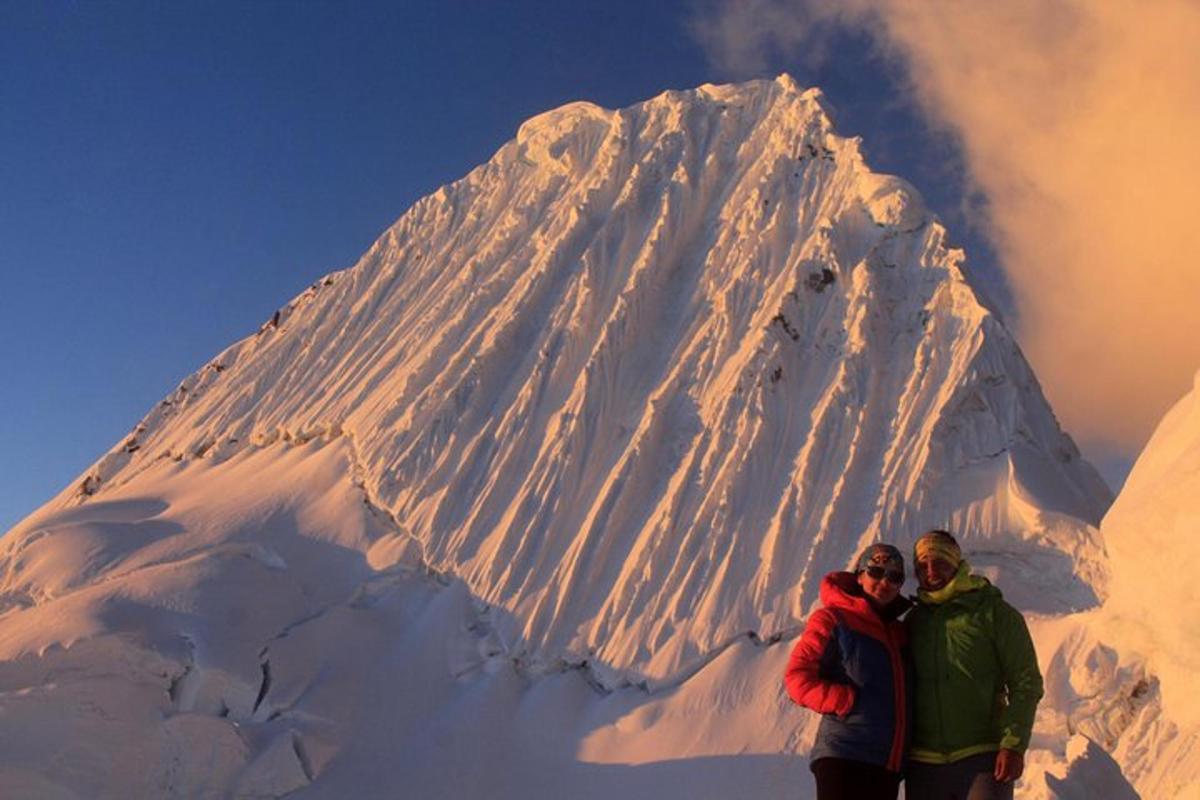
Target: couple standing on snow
column 944, row 699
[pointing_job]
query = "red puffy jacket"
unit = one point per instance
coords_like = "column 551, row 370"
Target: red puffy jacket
column 850, row 666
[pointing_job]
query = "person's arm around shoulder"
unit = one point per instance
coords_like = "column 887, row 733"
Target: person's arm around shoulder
column 1023, row 679
column 803, row 678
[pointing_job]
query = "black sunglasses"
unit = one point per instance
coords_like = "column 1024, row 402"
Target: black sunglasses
column 880, row 574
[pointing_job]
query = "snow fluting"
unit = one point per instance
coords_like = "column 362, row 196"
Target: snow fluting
column 572, row 446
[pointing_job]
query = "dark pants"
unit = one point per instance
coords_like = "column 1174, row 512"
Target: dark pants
column 968, row 779
column 843, row 779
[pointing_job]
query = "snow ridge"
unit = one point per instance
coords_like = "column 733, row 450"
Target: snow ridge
column 1151, row 612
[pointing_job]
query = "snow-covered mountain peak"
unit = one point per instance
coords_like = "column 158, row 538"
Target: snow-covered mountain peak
column 570, row 447
column 782, row 88
column 646, row 375
column 543, row 138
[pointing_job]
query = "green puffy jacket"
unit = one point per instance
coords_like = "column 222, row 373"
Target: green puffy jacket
column 977, row 678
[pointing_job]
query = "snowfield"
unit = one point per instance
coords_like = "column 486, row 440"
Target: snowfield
column 531, row 501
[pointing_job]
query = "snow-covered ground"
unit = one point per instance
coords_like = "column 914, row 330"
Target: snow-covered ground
column 531, row 500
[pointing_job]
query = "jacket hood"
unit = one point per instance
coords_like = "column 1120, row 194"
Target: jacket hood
column 841, row 590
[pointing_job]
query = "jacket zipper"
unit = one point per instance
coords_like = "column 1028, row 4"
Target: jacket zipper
column 939, row 666
column 897, row 754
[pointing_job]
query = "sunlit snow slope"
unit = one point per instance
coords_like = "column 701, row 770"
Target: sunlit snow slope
column 1152, row 531
column 609, row 404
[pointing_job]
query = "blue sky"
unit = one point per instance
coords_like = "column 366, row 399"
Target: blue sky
column 171, row 173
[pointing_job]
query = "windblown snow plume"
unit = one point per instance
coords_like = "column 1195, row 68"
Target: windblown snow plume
column 569, row 448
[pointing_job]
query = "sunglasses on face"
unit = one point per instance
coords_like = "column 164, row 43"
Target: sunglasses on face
column 881, row 574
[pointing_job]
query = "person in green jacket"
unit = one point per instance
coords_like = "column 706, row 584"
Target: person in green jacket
column 977, row 683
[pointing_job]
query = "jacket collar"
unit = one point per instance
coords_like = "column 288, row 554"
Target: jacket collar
column 962, row 582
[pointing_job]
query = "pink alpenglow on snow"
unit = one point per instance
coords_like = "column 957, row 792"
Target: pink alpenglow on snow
column 570, row 449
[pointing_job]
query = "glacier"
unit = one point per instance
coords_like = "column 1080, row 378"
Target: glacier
column 532, row 499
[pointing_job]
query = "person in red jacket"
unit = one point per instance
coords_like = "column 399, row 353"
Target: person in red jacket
column 850, row 666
